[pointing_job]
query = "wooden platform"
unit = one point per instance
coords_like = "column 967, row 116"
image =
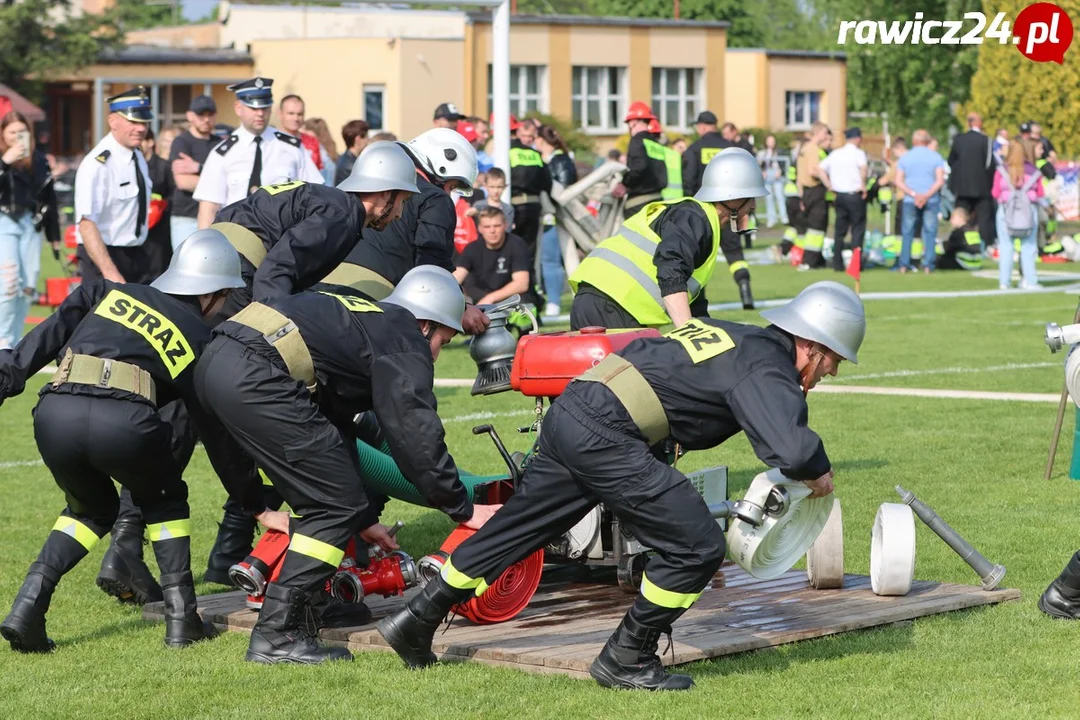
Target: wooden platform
column 565, row 625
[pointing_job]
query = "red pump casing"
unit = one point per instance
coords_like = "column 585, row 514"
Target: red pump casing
column 545, row 364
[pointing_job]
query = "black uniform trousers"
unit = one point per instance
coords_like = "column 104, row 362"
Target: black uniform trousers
column 850, row 214
column 796, row 221
column 817, row 222
column 184, row 437
column 583, row 462
column 731, row 246
column 312, row 463
column 527, row 219
column 87, row 441
column 130, row 261
column 982, row 209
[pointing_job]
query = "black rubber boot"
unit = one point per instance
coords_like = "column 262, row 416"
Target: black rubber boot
column 745, row 295
column 24, row 627
column 232, row 546
column 183, row 626
column 1062, row 598
column 410, row 631
column 629, row 660
column 278, row 636
column 332, row 613
column 123, row 573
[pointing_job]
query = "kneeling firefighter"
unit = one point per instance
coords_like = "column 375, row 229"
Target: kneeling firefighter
column 699, row 385
column 651, row 273
column 288, row 236
column 287, row 378
column 127, row 350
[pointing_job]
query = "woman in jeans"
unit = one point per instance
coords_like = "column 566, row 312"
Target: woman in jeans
column 773, row 169
column 1010, row 178
column 563, row 171
column 27, row 204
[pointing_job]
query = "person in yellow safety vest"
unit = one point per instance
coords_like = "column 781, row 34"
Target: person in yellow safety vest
column 651, row 273
column 1047, row 213
column 963, row 249
column 647, row 173
column 812, row 193
column 672, row 161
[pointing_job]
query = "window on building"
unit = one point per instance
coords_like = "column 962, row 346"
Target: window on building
column 801, row 108
column 599, row 96
column 374, row 99
column 676, row 96
column 528, row 89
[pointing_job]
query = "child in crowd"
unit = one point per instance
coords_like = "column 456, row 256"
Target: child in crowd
column 494, row 186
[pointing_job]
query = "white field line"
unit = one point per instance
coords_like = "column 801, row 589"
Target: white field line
column 957, row 370
column 949, row 394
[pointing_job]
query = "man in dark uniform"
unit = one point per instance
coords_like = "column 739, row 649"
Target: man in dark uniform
column 655, row 270
column 699, row 386
column 529, row 177
column 127, row 349
column 646, row 176
column 291, row 405
column 445, row 162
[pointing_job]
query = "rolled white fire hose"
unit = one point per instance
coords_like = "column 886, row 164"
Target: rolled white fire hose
column 770, row 549
column 892, row 550
column 825, row 558
column 1058, row 337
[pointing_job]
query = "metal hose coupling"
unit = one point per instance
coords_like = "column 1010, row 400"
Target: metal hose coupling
column 1057, row 337
column 990, row 573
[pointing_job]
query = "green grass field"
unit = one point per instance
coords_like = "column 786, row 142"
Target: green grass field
column 979, row 463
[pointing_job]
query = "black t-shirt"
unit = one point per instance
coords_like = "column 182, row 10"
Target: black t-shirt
column 183, row 205
column 490, row 270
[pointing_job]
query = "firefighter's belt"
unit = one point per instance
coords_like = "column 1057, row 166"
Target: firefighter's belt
column 634, row 392
column 282, row 333
column 246, row 242
column 639, row 200
column 360, row 278
column 524, row 199
column 105, row 373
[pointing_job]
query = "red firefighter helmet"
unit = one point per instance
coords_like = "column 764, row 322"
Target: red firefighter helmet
column 654, row 127
column 157, row 209
column 638, row 111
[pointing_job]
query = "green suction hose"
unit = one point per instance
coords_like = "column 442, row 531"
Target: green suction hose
column 381, row 473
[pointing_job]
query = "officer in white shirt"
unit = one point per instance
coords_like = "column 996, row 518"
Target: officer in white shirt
column 112, row 195
column 844, row 172
column 254, row 155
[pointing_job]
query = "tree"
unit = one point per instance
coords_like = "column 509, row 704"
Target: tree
column 1008, row 89
column 138, row 14
column 915, row 84
column 747, row 26
column 40, row 37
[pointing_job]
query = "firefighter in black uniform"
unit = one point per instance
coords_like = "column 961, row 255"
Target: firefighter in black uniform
column 646, row 176
column 699, row 385
column 291, row 405
column 654, row 271
column 445, row 162
column 695, row 160
column 126, row 349
column 529, row 177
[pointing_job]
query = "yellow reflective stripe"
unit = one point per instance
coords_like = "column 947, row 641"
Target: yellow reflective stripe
column 481, row 588
column 815, row 240
column 800, row 241
column 525, row 157
column 739, row 265
column 354, row 304
column 169, row 530
column 457, row 579
column 790, row 233
column 282, row 187
column 654, row 150
column 265, row 478
column 316, row 549
column 75, row 529
column 701, row 341
column 166, row 339
column 666, row 598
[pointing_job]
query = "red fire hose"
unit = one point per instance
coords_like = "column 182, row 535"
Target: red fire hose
column 508, row 595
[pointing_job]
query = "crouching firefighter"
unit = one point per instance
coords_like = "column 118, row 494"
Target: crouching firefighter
column 286, row 379
column 651, row 273
column 699, row 385
column 289, row 237
column 127, row 350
